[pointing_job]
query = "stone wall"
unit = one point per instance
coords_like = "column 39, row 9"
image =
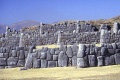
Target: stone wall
column 16, row 50
column 10, row 58
column 85, row 55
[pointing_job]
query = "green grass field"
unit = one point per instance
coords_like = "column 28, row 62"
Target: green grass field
column 62, row 73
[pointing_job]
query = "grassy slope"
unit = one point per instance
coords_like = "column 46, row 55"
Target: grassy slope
column 63, row 73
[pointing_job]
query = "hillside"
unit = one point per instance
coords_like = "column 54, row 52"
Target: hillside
column 19, row 25
column 30, row 25
column 105, row 21
column 22, row 24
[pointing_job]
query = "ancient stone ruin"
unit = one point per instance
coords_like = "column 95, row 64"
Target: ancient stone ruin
column 76, row 46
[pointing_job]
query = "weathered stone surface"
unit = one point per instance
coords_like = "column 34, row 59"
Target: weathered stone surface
column 111, row 51
column 117, row 50
column 36, row 63
column 74, row 61
column 69, row 61
column 21, row 63
column 6, row 55
column 43, row 55
column 69, row 52
column 19, row 48
column 92, row 51
column 100, row 61
column 92, row 60
column 49, row 56
column 31, row 48
column 81, row 54
column 107, row 60
column 29, row 61
column 52, row 64
column 114, row 45
column 22, row 55
column 75, row 48
column 1, row 55
column 55, row 57
column 14, row 53
column 44, row 63
column 104, row 51
column 117, row 58
column 62, row 59
column 82, row 62
column 57, row 52
column 52, row 51
column 112, row 60
column 12, row 61
column 3, row 62
column 87, row 51
column 81, row 51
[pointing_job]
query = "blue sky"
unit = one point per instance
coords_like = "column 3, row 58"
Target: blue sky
column 50, row 11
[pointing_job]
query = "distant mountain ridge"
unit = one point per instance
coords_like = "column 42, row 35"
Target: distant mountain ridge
column 19, row 25
column 31, row 23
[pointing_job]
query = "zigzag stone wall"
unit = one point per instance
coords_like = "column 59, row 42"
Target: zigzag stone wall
column 17, row 48
column 82, row 56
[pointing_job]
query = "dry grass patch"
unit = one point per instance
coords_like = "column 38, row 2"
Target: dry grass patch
column 59, row 73
column 49, row 46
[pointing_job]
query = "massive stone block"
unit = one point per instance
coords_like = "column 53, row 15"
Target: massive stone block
column 117, row 58
column 111, row 51
column 107, row 60
column 44, row 63
column 75, row 48
column 115, row 27
column 62, row 59
column 3, row 62
column 43, row 55
column 112, row 60
column 81, row 51
column 117, row 50
column 55, row 57
column 92, row 51
column 36, row 63
column 87, row 51
column 6, row 55
column 22, row 55
column 114, row 45
column 52, row 64
column 14, row 53
column 52, row 51
column 104, row 51
column 49, row 56
column 100, row 61
column 69, row 52
column 69, row 61
column 74, row 61
column 1, row 55
column 12, row 61
column 57, row 52
column 21, row 63
column 92, row 60
column 82, row 62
